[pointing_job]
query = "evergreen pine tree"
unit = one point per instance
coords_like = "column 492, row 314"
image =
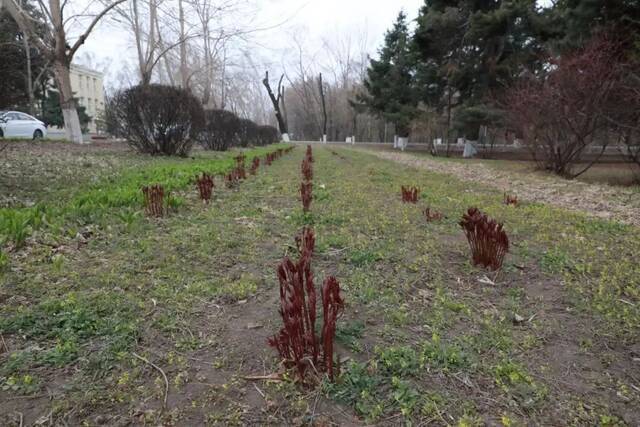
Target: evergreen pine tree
column 389, row 85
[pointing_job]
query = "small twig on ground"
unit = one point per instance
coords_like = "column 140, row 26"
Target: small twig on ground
column 259, row 391
column 270, row 377
column 164, row 376
column 4, row 344
column 21, row 418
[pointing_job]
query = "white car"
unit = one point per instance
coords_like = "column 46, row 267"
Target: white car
column 14, row 124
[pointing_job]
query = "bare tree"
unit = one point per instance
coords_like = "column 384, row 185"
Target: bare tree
column 278, row 102
column 59, row 49
column 321, row 90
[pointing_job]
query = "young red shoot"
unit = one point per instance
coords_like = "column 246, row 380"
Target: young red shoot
column 307, row 170
column 488, row 241
column 306, row 190
column 255, row 164
column 154, row 200
column 510, row 200
column 410, row 194
column 332, row 308
column 309, row 153
column 205, row 187
column 432, row 215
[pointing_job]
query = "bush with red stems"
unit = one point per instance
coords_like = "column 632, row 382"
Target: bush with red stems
column 205, row 186
column 488, row 241
column 309, row 153
column 410, row 194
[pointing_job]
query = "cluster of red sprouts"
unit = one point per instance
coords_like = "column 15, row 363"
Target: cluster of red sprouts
column 488, row 240
column 255, row 164
column 510, row 200
column 297, row 342
column 309, row 154
column 154, row 200
column 205, row 187
column 410, row 194
column 432, row 215
column 306, row 186
column 307, row 169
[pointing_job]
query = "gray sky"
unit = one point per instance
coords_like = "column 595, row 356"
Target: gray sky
column 310, row 21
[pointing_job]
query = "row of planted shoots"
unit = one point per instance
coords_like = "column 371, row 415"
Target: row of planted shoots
column 487, row 238
column 156, row 199
column 297, row 343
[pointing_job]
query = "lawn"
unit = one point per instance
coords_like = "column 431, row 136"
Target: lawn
column 108, row 317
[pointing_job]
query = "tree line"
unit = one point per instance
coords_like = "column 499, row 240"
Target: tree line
column 554, row 75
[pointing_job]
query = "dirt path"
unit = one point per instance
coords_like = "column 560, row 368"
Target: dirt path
column 602, row 201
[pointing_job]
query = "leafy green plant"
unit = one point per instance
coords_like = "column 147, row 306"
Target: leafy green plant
column 441, row 355
column 515, row 381
column 25, row 384
column 358, row 387
column 401, row 361
column 349, row 333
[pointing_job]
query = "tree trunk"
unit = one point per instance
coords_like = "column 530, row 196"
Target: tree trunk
column 67, row 102
column 324, row 109
column 282, row 124
column 183, row 48
column 27, row 50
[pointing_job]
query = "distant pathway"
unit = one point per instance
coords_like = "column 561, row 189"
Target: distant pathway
column 603, row 201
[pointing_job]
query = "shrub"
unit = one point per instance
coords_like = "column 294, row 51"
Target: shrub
column 205, row 187
column 248, row 133
column 156, row 119
column 410, row 194
column 267, row 135
column 309, row 153
column 306, row 190
column 221, row 130
column 488, row 241
column 566, row 111
column 154, row 200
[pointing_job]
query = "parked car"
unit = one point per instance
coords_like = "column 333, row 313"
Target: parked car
column 14, row 124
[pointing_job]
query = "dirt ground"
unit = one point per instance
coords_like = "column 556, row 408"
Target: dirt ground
column 603, row 201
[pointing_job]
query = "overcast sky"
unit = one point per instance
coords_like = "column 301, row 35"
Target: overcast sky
column 308, row 20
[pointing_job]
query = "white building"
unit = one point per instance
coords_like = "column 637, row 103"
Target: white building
column 88, row 89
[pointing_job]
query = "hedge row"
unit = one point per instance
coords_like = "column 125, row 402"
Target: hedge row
column 159, row 119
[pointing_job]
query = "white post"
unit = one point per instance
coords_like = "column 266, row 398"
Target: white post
column 403, row 142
